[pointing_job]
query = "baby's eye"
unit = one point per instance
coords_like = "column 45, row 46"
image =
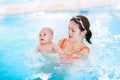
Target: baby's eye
column 44, row 34
column 73, row 30
column 39, row 34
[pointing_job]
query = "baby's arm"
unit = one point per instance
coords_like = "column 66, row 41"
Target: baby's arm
column 57, row 49
column 37, row 48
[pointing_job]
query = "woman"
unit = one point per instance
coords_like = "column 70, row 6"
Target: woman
column 74, row 46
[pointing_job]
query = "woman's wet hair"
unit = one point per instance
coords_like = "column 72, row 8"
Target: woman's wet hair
column 84, row 24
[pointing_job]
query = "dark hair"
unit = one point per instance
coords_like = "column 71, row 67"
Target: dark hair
column 84, row 24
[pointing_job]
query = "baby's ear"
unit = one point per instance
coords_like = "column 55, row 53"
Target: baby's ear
column 83, row 33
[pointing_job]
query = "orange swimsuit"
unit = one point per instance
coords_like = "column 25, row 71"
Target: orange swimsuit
column 76, row 52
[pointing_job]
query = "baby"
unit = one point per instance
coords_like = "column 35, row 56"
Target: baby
column 46, row 44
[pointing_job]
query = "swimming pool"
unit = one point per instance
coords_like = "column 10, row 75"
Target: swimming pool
column 19, row 36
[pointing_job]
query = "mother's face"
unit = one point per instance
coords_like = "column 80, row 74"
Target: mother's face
column 73, row 31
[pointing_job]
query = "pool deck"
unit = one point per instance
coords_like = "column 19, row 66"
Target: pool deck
column 35, row 6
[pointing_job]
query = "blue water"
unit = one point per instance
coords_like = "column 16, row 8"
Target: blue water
column 19, row 36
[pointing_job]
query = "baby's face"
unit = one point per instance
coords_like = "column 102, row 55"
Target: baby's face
column 45, row 36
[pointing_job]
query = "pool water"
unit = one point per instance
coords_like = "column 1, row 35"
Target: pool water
column 19, row 37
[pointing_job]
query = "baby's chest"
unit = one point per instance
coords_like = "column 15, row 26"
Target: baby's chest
column 46, row 48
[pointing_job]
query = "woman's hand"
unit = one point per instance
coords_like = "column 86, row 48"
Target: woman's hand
column 65, row 60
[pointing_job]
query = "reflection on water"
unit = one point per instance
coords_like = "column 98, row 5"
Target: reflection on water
column 19, row 35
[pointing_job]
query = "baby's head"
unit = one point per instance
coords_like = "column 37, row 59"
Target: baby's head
column 46, row 35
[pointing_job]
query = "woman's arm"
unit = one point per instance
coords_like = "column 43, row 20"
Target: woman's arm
column 83, row 54
column 80, row 54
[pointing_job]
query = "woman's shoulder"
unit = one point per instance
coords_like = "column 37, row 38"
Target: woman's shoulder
column 62, row 41
column 85, row 48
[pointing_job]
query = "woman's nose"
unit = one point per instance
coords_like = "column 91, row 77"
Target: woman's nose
column 69, row 32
